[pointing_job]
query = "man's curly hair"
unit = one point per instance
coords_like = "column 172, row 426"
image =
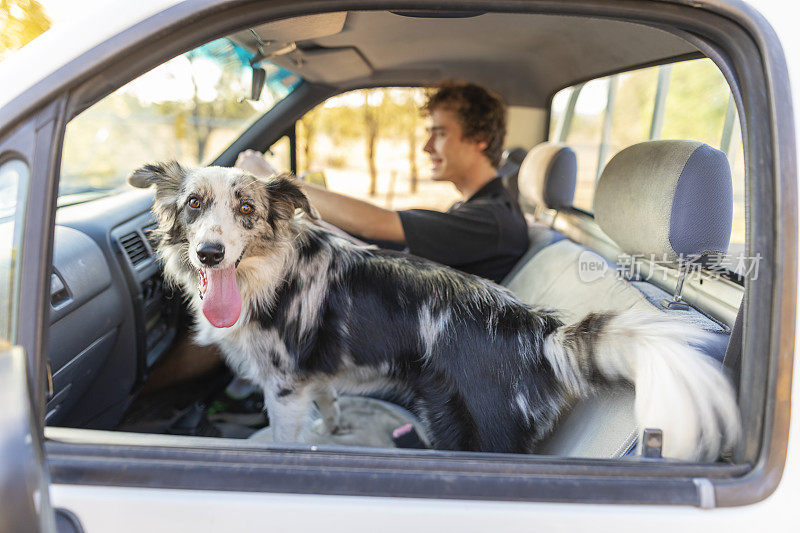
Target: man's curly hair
column 481, row 113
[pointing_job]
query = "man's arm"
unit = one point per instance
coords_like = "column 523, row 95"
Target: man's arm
column 351, row 215
column 355, row 216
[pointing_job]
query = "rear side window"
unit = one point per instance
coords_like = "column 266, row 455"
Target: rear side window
column 686, row 100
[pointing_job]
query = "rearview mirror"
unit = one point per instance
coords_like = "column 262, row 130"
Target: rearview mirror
column 259, row 77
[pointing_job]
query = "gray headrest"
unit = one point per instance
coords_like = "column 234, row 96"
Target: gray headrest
column 668, row 198
column 547, row 176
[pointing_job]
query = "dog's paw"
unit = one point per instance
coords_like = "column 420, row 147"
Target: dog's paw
column 339, row 429
column 331, row 419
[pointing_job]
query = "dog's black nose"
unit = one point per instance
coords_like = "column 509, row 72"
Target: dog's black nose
column 210, row 253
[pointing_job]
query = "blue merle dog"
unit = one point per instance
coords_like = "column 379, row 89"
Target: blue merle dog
column 306, row 314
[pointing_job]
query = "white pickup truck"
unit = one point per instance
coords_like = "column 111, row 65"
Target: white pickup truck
column 94, row 344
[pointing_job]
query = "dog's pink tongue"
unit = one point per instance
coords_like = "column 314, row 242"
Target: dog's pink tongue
column 222, row 302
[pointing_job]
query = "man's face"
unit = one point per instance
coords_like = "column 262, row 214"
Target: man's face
column 452, row 156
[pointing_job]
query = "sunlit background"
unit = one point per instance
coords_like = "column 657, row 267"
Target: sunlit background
column 364, row 143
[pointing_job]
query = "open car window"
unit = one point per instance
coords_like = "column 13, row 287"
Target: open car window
column 197, row 116
column 188, row 110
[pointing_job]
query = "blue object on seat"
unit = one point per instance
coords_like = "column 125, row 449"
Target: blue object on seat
column 509, row 169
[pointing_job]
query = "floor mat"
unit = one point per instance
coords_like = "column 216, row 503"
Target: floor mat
column 154, row 412
column 198, row 407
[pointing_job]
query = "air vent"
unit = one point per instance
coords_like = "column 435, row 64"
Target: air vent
column 133, row 245
column 150, row 236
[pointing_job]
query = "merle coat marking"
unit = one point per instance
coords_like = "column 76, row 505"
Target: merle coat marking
column 485, row 371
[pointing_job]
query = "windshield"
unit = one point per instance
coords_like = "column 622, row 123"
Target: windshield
column 188, row 109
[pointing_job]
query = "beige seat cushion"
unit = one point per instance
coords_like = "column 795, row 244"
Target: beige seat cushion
column 602, row 425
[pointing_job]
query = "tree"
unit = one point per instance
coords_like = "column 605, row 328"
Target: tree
column 406, row 125
column 413, row 171
column 383, row 115
column 22, row 21
column 400, row 119
column 368, row 116
column 211, row 106
column 183, row 109
column 371, row 121
column 309, row 126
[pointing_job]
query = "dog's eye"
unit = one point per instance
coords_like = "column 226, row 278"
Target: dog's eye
column 246, row 209
column 193, row 202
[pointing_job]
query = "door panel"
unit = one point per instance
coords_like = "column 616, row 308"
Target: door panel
column 24, row 493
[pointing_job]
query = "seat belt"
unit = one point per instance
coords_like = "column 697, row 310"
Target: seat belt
column 732, row 362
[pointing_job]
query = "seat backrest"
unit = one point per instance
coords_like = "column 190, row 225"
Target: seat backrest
column 547, row 177
column 662, row 197
column 669, row 198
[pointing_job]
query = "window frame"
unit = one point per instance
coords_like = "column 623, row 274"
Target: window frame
column 756, row 58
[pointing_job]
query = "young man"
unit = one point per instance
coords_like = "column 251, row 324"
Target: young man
column 485, row 233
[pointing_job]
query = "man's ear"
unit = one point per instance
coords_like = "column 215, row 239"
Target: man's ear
column 284, row 196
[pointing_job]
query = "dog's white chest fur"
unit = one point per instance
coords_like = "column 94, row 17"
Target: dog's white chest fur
column 245, row 349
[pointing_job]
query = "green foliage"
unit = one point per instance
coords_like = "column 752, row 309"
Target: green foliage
column 21, row 21
column 634, row 108
column 341, row 123
column 695, row 107
column 697, row 99
column 696, row 104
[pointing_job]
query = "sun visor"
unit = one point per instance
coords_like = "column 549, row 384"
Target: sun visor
column 299, row 28
column 280, row 37
column 330, row 66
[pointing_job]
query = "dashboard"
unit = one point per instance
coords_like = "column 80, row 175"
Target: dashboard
column 111, row 316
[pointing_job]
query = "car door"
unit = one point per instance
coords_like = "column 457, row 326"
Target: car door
column 115, row 487
column 24, row 480
column 24, row 494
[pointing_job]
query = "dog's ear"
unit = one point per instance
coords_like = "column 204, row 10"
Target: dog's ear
column 285, row 196
column 168, row 175
column 168, row 178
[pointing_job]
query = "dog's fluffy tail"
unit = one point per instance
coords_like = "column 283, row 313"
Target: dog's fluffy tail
column 679, row 389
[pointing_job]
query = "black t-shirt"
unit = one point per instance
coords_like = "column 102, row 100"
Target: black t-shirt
column 484, row 235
